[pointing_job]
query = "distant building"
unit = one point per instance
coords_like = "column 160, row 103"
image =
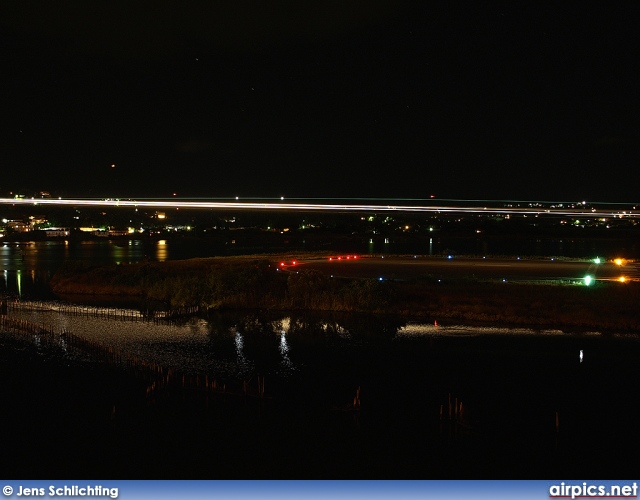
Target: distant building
column 18, row 226
column 106, row 233
column 37, row 220
column 119, row 232
column 52, row 232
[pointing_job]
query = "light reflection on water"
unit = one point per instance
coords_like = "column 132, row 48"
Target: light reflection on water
column 286, row 364
column 241, row 346
column 194, row 347
column 244, row 366
column 233, row 347
column 162, row 251
column 425, row 329
column 512, row 380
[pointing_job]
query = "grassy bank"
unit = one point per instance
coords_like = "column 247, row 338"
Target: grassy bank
column 256, row 282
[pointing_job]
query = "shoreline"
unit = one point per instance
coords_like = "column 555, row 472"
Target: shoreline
column 257, row 282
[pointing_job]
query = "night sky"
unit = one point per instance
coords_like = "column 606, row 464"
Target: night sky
column 474, row 100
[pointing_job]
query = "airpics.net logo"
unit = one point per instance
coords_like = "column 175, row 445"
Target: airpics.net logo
column 586, row 490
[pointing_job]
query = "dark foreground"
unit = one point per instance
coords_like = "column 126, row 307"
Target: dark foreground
column 64, row 418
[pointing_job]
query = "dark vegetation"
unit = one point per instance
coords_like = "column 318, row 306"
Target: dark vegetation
column 256, row 283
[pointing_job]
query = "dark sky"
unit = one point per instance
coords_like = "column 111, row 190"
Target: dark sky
column 481, row 100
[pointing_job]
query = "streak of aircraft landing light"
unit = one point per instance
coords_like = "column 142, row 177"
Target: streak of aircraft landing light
column 314, row 207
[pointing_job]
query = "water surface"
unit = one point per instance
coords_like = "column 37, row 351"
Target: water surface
column 531, row 405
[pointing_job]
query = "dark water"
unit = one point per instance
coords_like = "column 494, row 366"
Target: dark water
column 511, row 246
column 26, row 267
column 68, row 416
column 511, row 383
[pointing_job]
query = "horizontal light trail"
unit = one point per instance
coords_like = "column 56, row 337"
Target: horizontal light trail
column 321, row 207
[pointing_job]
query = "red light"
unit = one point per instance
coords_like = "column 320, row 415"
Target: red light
column 348, row 257
column 293, row 263
column 281, row 264
column 355, row 256
column 339, row 258
column 330, row 258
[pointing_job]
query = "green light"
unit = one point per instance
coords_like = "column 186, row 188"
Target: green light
column 587, row 280
column 597, row 260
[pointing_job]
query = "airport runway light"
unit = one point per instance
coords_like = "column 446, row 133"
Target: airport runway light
column 587, row 280
column 618, row 262
column 596, row 260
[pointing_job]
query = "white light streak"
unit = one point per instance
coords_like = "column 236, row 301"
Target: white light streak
column 319, row 207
